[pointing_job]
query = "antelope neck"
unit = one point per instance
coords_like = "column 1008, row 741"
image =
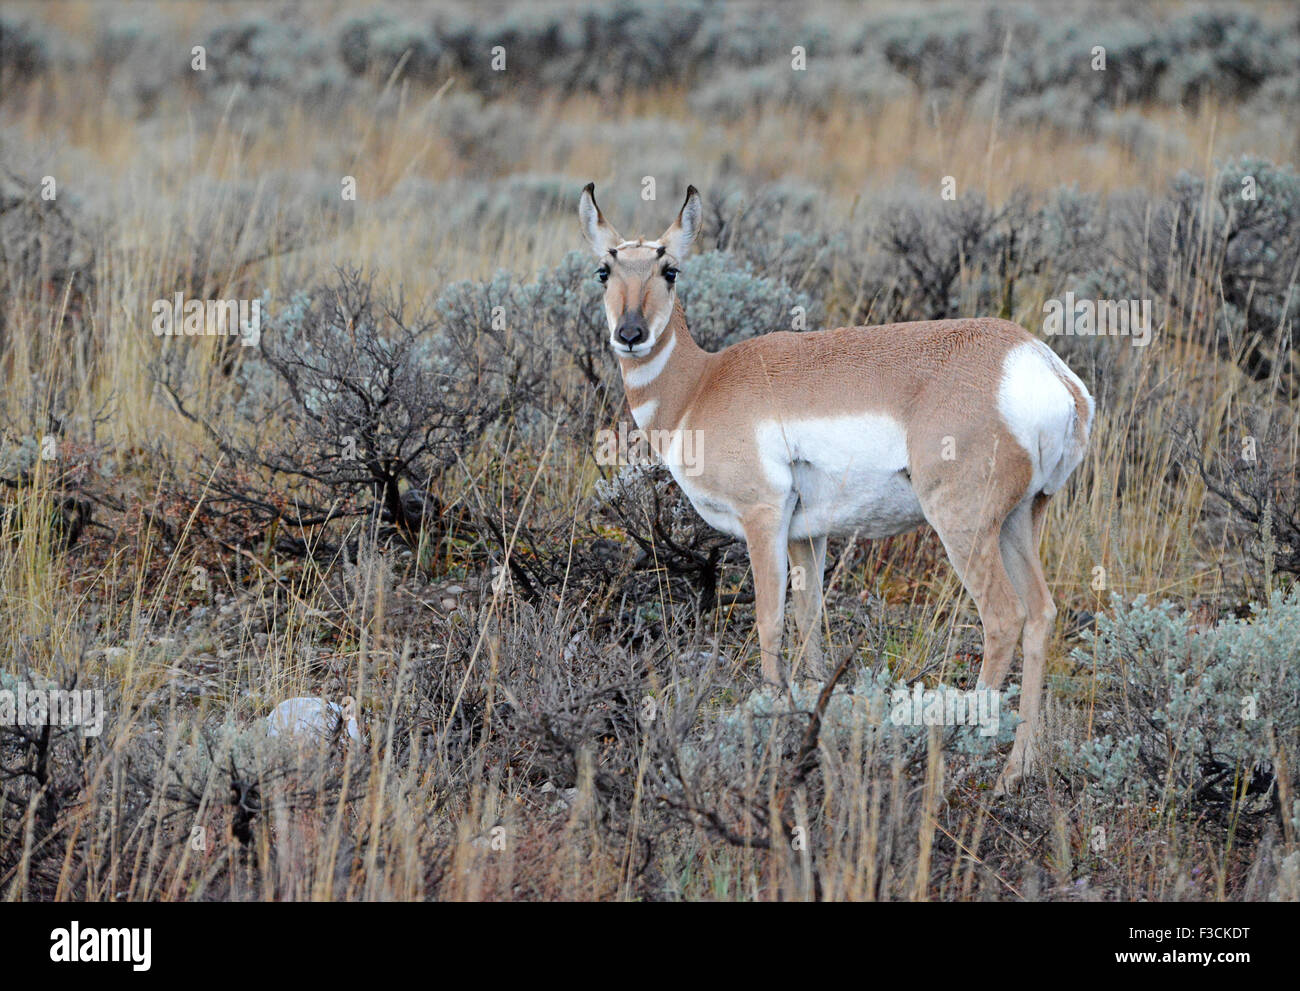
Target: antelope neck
column 659, row 386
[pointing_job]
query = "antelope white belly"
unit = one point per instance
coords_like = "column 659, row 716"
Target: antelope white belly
column 849, row 474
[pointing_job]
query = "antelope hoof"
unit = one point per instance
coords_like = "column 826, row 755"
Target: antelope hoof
column 1010, row 779
column 814, row 665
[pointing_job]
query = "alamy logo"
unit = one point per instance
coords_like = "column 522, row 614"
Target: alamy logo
column 181, row 317
column 683, row 449
column 24, row 706
column 945, row 706
column 92, row 945
column 1099, row 318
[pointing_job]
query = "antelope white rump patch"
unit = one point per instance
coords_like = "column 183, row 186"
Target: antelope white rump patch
column 1038, row 410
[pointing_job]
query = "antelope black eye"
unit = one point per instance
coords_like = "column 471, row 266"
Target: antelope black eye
column 602, row 274
column 670, row 274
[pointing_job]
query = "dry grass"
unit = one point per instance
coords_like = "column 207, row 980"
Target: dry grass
column 379, row 824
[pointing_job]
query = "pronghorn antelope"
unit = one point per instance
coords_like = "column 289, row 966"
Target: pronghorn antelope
column 968, row 425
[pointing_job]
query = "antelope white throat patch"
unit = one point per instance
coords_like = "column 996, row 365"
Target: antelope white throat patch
column 642, row 375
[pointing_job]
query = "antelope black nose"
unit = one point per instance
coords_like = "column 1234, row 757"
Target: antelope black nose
column 631, row 329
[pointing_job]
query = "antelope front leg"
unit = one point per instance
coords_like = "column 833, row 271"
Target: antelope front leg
column 765, row 534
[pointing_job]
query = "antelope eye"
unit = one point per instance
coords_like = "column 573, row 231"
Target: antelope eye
column 670, row 274
column 602, row 274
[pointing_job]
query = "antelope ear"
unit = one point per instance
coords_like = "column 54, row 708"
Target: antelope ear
column 677, row 239
column 599, row 234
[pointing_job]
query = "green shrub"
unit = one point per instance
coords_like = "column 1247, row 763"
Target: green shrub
column 1195, row 719
column 23, row 52
column 1205, row 232
column 726, row 301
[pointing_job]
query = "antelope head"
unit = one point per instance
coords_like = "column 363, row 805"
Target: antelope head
column 640, row 277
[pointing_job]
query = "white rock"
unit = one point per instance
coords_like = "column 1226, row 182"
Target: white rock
column 563, row 798
column 574, row 646
column 308, row 715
